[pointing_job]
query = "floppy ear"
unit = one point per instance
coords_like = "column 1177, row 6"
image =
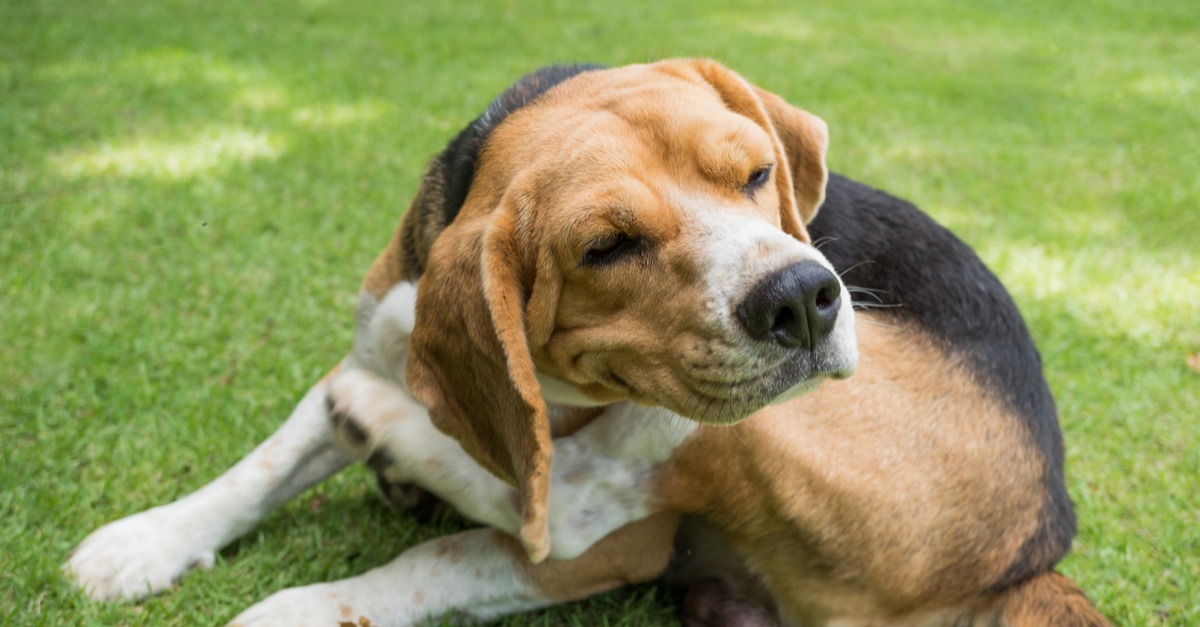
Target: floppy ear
column 469, row 360
column 801, row 140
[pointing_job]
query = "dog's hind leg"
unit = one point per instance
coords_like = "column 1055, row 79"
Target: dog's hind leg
column 476, row 575
column 144, row 553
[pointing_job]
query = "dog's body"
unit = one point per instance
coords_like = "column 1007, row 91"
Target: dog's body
column 602, row 256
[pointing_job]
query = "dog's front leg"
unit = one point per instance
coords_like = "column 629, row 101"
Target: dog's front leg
column 143, row 554
column 477, row 575
column 602, row 476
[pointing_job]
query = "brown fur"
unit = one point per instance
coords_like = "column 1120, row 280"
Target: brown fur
column 635, row 553
column 869, row 505
column 1048, row 599
column 477, row 250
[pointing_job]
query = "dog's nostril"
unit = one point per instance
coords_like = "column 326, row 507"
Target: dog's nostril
column 784, row 318
column 829, row 297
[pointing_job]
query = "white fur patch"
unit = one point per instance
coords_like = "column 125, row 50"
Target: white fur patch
column 381, row 339
column 472, row 573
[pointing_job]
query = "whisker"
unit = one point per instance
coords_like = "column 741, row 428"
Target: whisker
column 694, row 409
column 821, row 241
column 871, row 293
column 677, row 423
column 851, row 268
column 729, row 394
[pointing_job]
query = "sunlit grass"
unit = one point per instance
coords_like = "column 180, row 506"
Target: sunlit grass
column 208, row 150
column 190, row 193
column 341, row 114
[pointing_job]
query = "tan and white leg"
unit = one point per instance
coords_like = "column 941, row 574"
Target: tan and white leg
column 478, row 575
column 145, row 553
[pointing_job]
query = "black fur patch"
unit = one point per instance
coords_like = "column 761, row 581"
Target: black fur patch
column 925, row 276
column 458, row 160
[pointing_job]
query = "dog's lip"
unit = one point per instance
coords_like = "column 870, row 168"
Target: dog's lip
column 733, row 383
column 746, row 395
column 732, row 405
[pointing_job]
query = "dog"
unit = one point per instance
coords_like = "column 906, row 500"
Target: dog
column 614, row 328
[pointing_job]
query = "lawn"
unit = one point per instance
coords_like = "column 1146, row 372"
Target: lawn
column 191, row 191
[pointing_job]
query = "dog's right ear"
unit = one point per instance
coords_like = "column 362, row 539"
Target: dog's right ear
column 801, row 139
column 469, row 359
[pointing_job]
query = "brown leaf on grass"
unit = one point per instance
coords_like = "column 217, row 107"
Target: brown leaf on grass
column 1193, row 361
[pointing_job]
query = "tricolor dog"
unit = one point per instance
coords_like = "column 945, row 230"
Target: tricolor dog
column 614, row 328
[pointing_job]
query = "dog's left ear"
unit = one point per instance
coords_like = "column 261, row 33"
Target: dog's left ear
column 801, row 140
column 469, row 358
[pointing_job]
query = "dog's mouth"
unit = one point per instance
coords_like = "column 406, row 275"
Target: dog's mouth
column 733, row 399
column 718, row 395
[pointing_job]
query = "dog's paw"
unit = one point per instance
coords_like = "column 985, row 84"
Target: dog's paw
column 136, row 557
column 319, row 605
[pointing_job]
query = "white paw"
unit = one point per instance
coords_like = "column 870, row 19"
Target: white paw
column 319, row 605
column 137, row 556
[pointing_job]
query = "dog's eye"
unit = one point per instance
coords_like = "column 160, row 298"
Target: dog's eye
column 758, row 179
column 609, row 249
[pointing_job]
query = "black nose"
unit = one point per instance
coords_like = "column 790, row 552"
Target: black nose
column 795, row 307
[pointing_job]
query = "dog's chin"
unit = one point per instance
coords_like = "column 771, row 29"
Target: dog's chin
column 800, row 389
column 837, row 370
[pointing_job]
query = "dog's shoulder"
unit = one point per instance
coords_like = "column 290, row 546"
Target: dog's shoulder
column 911, row 271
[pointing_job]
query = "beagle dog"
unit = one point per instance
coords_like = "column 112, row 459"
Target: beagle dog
column 613, row 328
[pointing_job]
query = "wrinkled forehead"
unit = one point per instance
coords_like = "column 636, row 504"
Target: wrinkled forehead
column 635, row 123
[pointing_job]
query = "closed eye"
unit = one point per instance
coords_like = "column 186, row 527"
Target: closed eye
column 610, row 249
column 757, row 179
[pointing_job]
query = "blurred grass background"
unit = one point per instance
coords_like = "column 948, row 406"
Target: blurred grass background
column 191, row 191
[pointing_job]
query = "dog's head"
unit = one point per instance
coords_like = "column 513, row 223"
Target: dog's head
column 634, row 233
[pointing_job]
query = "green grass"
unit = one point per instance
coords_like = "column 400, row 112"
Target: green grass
column 191, row 191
